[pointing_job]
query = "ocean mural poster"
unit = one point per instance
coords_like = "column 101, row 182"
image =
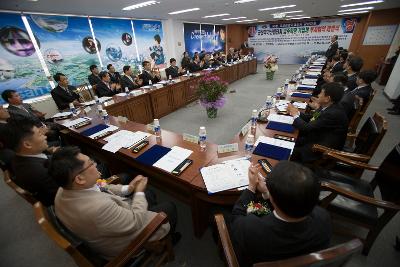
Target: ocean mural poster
column 150, row 42
column 220, row 37
column 118, row 44
column 208, row 37
column 20, row 67
column 67, row 45
column 192, row 38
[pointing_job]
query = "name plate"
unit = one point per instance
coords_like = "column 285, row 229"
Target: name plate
column 107, row 103
column 245, row 129
column 190, row 138
column 87, row 109
column 228, row 148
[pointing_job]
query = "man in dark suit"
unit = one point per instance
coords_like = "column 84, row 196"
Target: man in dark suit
column 333, row 47
column 17, row 108
column 29, row 143
column 149, row 75
column 64, row 94
column 173, row 71
column 231, row 55
column 94, row 78
column 127, row 81
column 326, row 126
column 196, row 65
column 6, row 154
column 114, row 75
column 336, row 65
column 296, row 226
column 185, row 60
column 353, row 66
column 104, row 88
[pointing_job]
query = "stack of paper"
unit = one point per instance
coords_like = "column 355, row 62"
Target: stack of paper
column 275, row 142
column 62, row 115
column 89, row 103
column 230, row 174
column 123, row 139
column 76, row 121
column 110, row 128
column 280, row 118
column 104, row 99
column 121, row 94
column 300, row 105
column 309, row 81
column 313, row 73
column 173, row 158
column 281, row 105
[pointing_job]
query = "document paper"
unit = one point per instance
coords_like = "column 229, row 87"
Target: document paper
column 173, row 158
column 281, row 118
column 123, row 139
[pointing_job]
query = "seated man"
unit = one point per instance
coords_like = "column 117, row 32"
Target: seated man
column 296, row 226
column 353, row 66
column 114, row 75
column 17, row 108
column 336, row 64
column 327, row 126
column 64, row 94
column 127, row 81
column 104, row 88
column 173, row 71
column 102, row 216
column 149, row 75
column 6, row 154
column 94, row 78
column 196, row 65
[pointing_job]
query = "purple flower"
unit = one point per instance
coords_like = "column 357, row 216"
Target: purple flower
column 219, row 103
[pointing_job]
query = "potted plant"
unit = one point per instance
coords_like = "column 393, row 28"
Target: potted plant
column 271, row 65
column 211, row 92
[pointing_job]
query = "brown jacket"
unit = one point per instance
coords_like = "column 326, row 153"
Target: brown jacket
column 107, row 222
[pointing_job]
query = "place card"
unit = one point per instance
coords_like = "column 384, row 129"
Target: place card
column 245, row 129
column 108, row 103
column 228, row 148
column 190, row 138
column 87, row 109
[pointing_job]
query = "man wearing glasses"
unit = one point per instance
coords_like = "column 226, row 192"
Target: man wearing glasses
column 107, row 218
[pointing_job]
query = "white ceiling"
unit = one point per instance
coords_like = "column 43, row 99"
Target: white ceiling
column 113, row 8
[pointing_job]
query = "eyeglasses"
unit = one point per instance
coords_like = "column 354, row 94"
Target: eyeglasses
column 91, row 163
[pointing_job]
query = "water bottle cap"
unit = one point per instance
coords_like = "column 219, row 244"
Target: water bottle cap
column 250, row 136
column 202, row 127
column 104, row 112
column 71, row 105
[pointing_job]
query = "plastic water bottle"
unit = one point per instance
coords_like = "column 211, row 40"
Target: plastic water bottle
column 268, row 102
column 99, row 110
column 202, row 137
column 157, row 128
column 72, row 108
column 127, row 90
column 150, row 84
column 105, row 117
column 96, row 100
column 188, row 73
column 254, row 115
column 170, row 78
column 248, row 147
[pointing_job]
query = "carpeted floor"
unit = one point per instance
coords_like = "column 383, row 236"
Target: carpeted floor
column 22, row 243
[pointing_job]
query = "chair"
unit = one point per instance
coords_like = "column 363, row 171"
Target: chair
column 365, row 144
column 157, row 252
column 334, row 256
column 24, row 194
column 353, row 199
column 84, row 92
column 361, row 108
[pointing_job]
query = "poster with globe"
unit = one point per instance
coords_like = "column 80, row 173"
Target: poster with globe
column 118, row 44
column 220, row 36
column 192, row 37
column 66, row 44
column 150, row 41
column 208, row 37
column 20, row 67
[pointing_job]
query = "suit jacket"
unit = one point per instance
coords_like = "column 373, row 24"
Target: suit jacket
column 229, row 57
column 31, row 175
column 185, row 63
column 194, row 67
column 173, row 71
column 103, row 90
column 146, row 77
column 107, row 222
column 94, row 79
column 115, row 77
column 332, row 50
column 328, row 129
column 6, row 154
column 349, row 97
column 352, row 82
column 338, row 67
column 26, row 111
column 267, row 238
column 126, row 82
column 62, row 97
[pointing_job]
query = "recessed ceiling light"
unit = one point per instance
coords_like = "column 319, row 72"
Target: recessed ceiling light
column 139, row 5
column 299, row 18
column 276, row 7
column 295, row 11
column 363, row 3
column 356, row 12
column 293, row 16
column 247, row 20
column 243, row 1
column 357, row 9
column 235, row 18
column 217, row 15
column 184, row 11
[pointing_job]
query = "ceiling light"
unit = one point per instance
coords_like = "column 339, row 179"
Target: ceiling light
column 356, row 12
column 246, row 20
column 243, row 1
column 217, row 15
column 235, row 18
column 363, row 3
column 296, row 11
column 299, row 18
column 293, row 16
column 184, row 11
column 139, row 5
column 276, row 7
column 278, row 15
column 357, row 9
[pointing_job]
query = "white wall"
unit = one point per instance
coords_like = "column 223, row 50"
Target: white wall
column 392, row 89
column 174, row 39
column 395, row 44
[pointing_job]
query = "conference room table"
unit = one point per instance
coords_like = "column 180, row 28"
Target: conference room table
column 189, row 186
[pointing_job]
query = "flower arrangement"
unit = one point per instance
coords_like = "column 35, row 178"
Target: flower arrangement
column 211, row 92
column 258, row 208
column 271, row 63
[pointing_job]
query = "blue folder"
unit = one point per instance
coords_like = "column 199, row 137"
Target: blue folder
column 308, row 76
column 305, row 88
column 301, row 95
column 271, row 151
column 278, row 126
column 153, row 154
column 94, row 129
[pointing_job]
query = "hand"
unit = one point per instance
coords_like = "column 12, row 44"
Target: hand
column 293, row 111
column 261, row 186
column 253, row 178
column 138, row 184
column 76, row 103
column 52, row 149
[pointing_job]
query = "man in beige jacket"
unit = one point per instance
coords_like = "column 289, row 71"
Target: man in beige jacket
column 101, row 216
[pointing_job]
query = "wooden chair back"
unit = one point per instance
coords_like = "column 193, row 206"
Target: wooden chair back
column 361, row 108
column 370, row 135
column 334, row 256
column 23, row 193
column 84, row 92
